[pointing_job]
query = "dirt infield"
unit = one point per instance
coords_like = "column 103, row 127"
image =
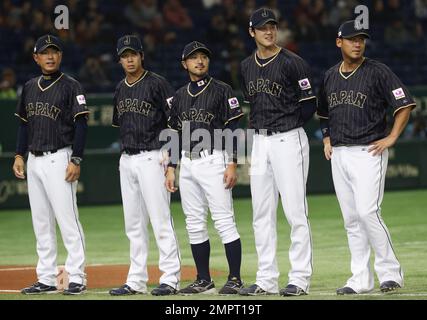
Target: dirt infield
column 98, row 276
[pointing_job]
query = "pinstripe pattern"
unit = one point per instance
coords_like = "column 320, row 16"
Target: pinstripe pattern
column 356, row 104
column 305, row 205
column 380, row 191
column 50, row 112
column 209, row 110
column 274, row 92
column 141, row 111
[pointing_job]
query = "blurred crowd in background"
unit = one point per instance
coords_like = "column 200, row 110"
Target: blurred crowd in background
column 307, row 27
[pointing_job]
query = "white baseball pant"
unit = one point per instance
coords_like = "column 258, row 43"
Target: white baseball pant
column 201, row 187
column 52, row 198
column 145, row 199
column 279, row 165
column 359, row 184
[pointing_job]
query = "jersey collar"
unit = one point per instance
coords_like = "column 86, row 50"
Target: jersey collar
column 130, row 85
column 353, row 72
column 197, row 84
column 55, row 77
column 270, row 60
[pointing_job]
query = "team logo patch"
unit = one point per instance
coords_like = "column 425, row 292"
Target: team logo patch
column 233, row 102
column 399, row 93
column 304, row 84
column 169, row 101
column 81, row 99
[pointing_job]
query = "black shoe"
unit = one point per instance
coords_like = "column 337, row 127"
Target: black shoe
column 292, row 290
column 232, row 286
column 345, row 290
column 164, row 290
column 199, row 286
column 254, row 290
column 389, row 286
column 75, row 288
column 124, row 290
column 39, row 288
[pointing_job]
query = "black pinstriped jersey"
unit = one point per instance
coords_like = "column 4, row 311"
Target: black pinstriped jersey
column 274, row 90
column 50, row 112
column 212, row 108
column 356, row 104
column 141, row 110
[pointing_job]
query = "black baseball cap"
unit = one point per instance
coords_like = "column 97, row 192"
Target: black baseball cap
column 47, row 41
column 193, row 47
column 261, row 16
column 350, row 29
column 130, row 42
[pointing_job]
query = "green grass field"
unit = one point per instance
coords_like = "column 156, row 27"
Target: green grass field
column 403, row 212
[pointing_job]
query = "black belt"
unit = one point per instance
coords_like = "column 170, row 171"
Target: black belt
column 266, row 132
column 43, row 153
column 131, row 152
column 197, row 155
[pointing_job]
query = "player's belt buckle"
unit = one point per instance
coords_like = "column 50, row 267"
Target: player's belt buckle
column 43, row 153
column 197, row 155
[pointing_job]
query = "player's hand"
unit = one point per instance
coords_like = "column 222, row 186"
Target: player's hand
column 19, row 168
column 377, row 147
column 327, row 148
column 72, row 173
column 230, row 176
column 170, row 180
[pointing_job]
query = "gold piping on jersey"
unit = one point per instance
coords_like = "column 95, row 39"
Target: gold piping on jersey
column 195, row 95
column 38, row 82
column 142, row 77
column 351, row 72
column 272, row 58
column 309, row 98
column 113, row 125
column 408, row 105
column 79, row 113
column 238, row 116
column 322, row 117
column 20, row 117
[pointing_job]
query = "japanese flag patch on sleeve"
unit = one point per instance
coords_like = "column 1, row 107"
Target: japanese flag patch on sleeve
column 233, row 103
column 399, row 93
column 304, row 84
column 81, row 99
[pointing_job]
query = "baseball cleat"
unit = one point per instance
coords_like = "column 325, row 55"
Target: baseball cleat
column 164, row 290
column 292, row 290
column 345, row 290
column 75, row 289
column 389, row 286
column 232, row 286
column 254, row 290
column 124, row 290
column 39, row 288
column 199, row 286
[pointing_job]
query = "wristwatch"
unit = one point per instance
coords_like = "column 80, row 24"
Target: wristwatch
column 76, row 160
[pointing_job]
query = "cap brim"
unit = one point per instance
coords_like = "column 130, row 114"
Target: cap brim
column 47, row 46
column 264, row 23
column 119, row 53
column 356, row 34
column 205, row 50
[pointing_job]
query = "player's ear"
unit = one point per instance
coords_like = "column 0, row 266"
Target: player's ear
column 339, row 42
column 184, row 65
column 251, row 32
column 36, row 58
column 142, row 56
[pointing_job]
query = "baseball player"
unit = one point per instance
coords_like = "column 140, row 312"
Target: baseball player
column 277, row 85
column 141, row 111
column 207, row 174
column 353, row 101
column 53, row 125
